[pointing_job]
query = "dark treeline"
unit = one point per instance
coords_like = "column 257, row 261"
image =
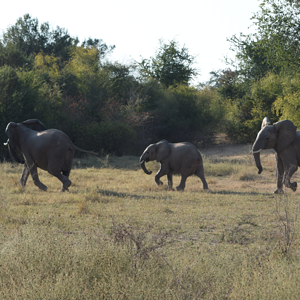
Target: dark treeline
column 114, row 108
column 103, row 106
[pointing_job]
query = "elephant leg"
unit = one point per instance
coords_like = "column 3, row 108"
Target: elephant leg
column 159, row 174
column 290, row 165
column 66, row 173
column 279, row 174
column 290, row 170
column 170, row 181
column 24, row 176
column 182, row 183
column 200, row 174
column 184, row 176
column 63, row 178
column 35, row 177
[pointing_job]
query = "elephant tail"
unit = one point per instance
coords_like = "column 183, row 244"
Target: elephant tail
column 85, row 151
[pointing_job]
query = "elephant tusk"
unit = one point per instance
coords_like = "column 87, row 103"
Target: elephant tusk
column 253, row 152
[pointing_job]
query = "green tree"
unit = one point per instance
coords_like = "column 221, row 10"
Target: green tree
column 170, row 66
column 287, row 103
column 27, row 38
column 275, row 46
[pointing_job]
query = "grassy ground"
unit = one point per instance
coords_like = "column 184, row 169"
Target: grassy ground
column 116, row 235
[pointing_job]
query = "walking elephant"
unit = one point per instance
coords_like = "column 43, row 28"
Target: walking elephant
column 285, row 140
column 33, row 124
column 183, row 158
column 51, row 150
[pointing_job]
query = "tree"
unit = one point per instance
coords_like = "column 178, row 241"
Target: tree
column 27, row 38
column 170, row 66
column 276, row 44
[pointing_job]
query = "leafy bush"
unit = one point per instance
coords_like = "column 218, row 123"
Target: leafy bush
column 105, row 137
column 185, row 113
column 287, row 104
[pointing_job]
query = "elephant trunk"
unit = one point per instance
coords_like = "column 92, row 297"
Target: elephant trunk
column 142, row 162
column 256, row 149
column 13, row 153
column 257, row 161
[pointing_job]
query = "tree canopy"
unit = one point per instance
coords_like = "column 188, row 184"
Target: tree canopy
column 170, row 66
column 120, row 108
column 102, row 105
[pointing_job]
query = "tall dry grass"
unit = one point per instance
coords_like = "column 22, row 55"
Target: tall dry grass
column 116, row 235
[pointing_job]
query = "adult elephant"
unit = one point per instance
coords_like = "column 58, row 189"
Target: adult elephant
column 183, row 158
column 285, row 140
column 33, row 124
column 51, row 150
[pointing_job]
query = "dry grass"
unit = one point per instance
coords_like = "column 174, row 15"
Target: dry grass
column 116, row 235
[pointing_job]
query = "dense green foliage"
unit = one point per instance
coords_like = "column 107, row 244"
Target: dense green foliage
column 103, row 106
column 170, row 66
column 266, row 79
column 116, row 108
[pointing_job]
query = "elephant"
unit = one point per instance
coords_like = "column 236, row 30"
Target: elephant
column 50, row 150
column 285, row 140
column 183, row 158
column 33, row 124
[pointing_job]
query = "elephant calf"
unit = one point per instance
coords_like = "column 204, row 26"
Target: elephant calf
column 51, row 150
column 183, row 158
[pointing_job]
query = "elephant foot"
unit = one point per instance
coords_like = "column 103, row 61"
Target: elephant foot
column 40, row 185
column 43, row 188
column 179, row 188
column 66, row 185
column 278, row 191
column 22, row 184
column 293, row 186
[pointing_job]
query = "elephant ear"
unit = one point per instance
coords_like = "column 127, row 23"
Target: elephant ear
column 162, row 150
column 286, row 134
column 266, row 121
column 34, row 124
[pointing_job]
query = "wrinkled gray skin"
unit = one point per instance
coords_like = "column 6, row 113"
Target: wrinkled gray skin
column 183, row 158
column 285, row 140
column 51, row 150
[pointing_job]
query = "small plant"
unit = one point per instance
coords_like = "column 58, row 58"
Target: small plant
column 83, row 207
column 142, row 242
column 286, row 214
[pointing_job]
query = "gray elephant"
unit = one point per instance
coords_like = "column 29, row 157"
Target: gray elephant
column 33, row 124
column 183, row 158
column 285, row 140
column 51, row 150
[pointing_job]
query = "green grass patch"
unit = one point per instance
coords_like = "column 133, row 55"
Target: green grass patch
column 117, row 235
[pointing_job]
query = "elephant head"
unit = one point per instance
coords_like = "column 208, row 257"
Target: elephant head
column 157, row 152
column 13, row 141
column 13, row 136
column 277, row 136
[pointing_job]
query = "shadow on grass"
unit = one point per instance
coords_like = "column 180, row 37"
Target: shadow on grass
column 127, row 195
column 224, row 192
